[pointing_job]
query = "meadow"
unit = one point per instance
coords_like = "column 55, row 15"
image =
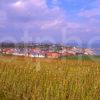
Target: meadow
column 49, row 79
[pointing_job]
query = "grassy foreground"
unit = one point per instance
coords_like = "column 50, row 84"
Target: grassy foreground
column 49, row 79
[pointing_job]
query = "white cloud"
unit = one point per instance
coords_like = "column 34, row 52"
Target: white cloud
column 90, row 13
column 3, row 18
column 39, row 12
column 36, row 15
column 52, row 24
column 19, row 5
column 26, row 3
column 39, row 3
column 55, row 2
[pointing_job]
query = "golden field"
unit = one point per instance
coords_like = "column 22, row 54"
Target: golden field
column 49, row 79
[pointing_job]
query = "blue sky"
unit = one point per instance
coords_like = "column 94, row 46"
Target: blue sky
column 54, row 20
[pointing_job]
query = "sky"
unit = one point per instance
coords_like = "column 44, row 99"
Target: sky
column 50, row 20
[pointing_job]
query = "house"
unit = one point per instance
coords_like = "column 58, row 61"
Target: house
column 88, row 51
column 71, row 52
column 20, row 52
column 37, row 55
column 67, row 54
column 36, row 52
column 7, row 51
column 53, row 55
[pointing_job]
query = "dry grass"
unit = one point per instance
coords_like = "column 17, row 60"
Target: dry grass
column 48, row 79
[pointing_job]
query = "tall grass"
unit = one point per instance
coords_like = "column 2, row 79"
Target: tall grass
column 47, row 79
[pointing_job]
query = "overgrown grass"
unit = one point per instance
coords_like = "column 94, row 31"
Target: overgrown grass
column 82, row 57
column 48, row 79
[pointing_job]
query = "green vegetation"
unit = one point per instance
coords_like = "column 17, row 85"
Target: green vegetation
column 83, row 57
column 49, row 79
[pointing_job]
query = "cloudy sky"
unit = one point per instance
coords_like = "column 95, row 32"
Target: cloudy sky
column 54, row 20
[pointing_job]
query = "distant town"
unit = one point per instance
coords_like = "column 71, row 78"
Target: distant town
column 43, row 50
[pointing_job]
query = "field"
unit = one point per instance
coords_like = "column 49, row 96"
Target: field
column 49, row 79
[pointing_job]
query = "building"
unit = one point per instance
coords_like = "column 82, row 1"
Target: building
column 53, row 55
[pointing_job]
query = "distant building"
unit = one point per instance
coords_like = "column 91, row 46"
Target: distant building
column 88, row 52
column 53, row 55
